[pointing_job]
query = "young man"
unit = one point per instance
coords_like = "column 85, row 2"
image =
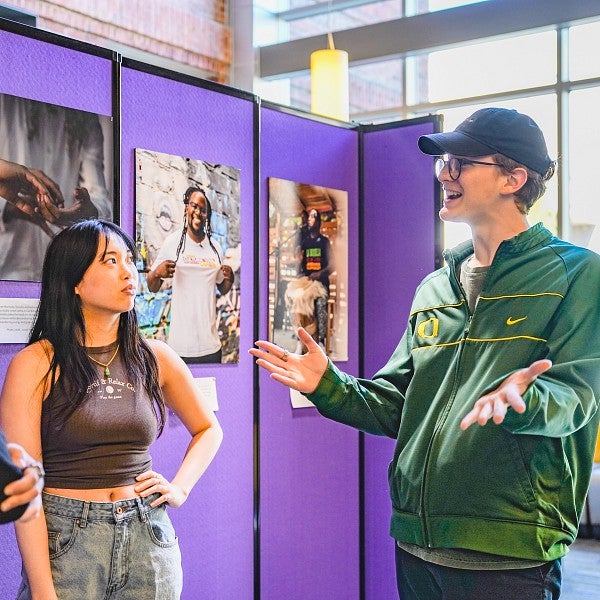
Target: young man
column 193, row 262
column 492, row 392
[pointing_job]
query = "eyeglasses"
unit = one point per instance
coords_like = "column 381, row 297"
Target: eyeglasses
column 455, row 166
column 196, row 207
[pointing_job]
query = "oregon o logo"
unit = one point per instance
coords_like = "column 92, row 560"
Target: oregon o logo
column 429, row 328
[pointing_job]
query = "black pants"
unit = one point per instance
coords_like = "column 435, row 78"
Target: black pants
column 215, row 357
column 421, row 580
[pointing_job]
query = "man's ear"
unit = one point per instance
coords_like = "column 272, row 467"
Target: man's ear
column 515, row 180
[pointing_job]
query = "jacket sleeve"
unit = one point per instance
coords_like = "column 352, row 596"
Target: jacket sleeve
column 565, row 398
column 371, row 405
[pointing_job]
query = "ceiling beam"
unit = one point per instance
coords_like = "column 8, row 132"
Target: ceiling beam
column 430, row 31
column 320, row 8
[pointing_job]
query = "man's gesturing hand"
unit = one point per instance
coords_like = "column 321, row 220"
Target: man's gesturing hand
column 508, row 394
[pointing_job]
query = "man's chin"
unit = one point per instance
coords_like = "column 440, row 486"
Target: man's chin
column 447, row 216
column 444, row 215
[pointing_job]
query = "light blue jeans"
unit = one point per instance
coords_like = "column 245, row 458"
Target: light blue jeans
column 122, row 550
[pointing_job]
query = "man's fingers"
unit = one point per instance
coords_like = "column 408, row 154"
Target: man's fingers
column 268, row 365
column 538, row 367
column 509, row 394
column 266, row 350
column 514, row 399
column 469, row 419
column 485, row 413
column 308, row 340
column 499, row 411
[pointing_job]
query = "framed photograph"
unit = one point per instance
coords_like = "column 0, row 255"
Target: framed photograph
column 56, row 167
column 189, row 255
column 308, row 266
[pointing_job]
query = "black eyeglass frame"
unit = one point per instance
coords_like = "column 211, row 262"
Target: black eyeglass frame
column 455, row 165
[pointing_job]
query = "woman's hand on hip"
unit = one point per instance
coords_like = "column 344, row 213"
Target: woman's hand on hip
column 151, row 482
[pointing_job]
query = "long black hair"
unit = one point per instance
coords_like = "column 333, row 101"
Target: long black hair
column 60, row 318
column 207, row 226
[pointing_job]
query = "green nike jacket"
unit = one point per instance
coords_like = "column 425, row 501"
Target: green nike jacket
column 515, row 489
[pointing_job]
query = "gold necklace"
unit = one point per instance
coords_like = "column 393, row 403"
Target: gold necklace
column 107, row 364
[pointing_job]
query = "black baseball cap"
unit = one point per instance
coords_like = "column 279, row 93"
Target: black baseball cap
column 490, row 131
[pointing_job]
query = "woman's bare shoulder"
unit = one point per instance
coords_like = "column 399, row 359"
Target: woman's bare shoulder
column 27, row 374
column 161, row 350
column 169, row 362
column 36, row 356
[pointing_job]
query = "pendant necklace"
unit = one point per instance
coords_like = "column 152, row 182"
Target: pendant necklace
column 106, row 364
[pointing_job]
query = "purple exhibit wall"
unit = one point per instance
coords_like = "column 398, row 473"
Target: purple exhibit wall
column 398, row 251
column 309, row 508
column 46, row 72
column 309, row 488
column 215, row 525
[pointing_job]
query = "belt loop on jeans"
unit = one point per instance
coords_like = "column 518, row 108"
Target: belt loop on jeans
column 143, row 510
column 82, row 522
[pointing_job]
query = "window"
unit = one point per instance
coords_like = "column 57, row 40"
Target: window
column 584, row 133
column 515, row 71
column 584, row 51
column 511, row 63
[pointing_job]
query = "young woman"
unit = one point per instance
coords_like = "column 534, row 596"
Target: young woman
column 88, row 396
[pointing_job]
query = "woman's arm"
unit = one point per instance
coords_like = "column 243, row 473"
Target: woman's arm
column 32, row 538
column 183, row 397
column 20, row 415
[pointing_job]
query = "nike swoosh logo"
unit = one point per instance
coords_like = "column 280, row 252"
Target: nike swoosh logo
column 511, row 321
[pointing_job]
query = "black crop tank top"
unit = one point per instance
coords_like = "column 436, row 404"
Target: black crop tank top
column 105, row 442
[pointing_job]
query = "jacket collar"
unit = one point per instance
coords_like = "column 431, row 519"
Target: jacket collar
column 535, row 236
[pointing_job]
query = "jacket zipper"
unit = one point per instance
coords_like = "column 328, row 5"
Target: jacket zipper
column 442, row 418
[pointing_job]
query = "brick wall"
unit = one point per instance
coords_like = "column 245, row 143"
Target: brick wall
column 193, row 32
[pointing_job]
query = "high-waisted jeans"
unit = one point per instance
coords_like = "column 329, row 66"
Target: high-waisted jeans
column 122, row 550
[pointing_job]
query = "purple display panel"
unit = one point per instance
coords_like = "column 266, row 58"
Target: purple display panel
column 215, row 525
column 42, row 71
column 46, row 72
column 399, row 250
column 309, row 509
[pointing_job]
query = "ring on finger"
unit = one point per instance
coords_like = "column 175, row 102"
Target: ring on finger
column 284, row 356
